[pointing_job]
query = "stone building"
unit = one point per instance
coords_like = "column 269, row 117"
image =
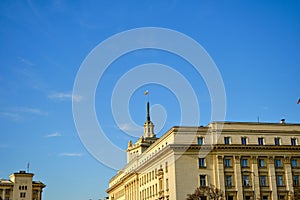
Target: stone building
column 20, row 186
column 245, row 160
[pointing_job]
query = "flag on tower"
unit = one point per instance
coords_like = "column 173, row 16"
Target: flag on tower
column 298, row 102
column 147, row 92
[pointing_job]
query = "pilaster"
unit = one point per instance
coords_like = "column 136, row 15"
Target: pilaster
column 220, row 173
column 272, row 178
column 255, row 180
column 238, row 177
column 288, row 175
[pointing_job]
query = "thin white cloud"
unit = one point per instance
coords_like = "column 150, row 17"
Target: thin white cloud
column 55, row 134
column 25, row 61
column 10, row 115
column 71, row 154
column 61, row 96
column 129, row 127
column 35, row 111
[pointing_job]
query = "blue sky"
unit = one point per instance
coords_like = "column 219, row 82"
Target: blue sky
column 255, row 45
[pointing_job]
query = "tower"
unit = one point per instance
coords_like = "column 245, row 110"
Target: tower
column 148, row 125
column 148, row 138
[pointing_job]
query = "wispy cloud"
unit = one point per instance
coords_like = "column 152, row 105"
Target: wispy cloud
column 55, row 134
column 9, row 115
column 35, row 111
column 25, row 61
column 71, row 154
column 129, row 127
column 62, row 96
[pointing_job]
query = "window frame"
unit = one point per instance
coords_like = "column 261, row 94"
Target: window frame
column 227, row 140
column 201, row 162
column 200, row 139
column 260, row 141
column 244, row 140
column 277, row 141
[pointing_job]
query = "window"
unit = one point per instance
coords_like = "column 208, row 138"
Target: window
column 296, row 180
column 265, row 198
column 294, row 163
column 261, row 163
column 167, row 184
column 201, row 162
column 227, row 162
column 263, row 180
column 277, row 141
column 247, row 197
column 279, row 179
column 293, row 141
column 278, row 163
column 202, row 180
column 200, row 140
column 230, row 198
column 226, row 140
column 245, row 163
column 260, row 141
column 166, row 167
column 22, row 194
column 228, row 180
column 246, row 181
column 281, row 197
column 244, row 140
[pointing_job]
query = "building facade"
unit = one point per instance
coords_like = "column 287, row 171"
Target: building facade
column 20, row 186
column 246, row 161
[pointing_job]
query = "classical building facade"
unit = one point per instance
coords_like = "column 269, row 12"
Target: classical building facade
column 20, row 186
column 245, row 160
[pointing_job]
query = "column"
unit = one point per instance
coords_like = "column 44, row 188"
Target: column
column 238, row 177
column 3, row 194
column 255, row 174
column 288, row 175
column 272, row 178
column 220, row 174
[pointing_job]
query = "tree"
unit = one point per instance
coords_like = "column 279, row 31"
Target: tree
column 206, row 193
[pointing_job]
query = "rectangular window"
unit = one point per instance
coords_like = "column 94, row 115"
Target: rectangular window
column 166, row 167
column 200, row 140
column 244, row 140
column 261, row 163
column 228, row 180
column 293, row 141
column 260, row 141
column 202, row 180
column 281, row 197
column 265, row 198
column 263, row 180
column 294, row 163
column 167, row 184
column 279, row 179
column 296, row 180
column 201, row 162
column 247, row 197
column 226, row 140
column 277, row 141
column 244, row 163
column 227, row 162
column 246, row 181
column 278, row 163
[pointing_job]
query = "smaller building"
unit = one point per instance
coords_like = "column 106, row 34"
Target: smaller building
column 20, row 186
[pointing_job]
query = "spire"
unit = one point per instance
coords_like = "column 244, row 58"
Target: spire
column 148, row 125
column 148, row 111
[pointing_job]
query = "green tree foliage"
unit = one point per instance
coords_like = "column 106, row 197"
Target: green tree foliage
column 206, row 193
